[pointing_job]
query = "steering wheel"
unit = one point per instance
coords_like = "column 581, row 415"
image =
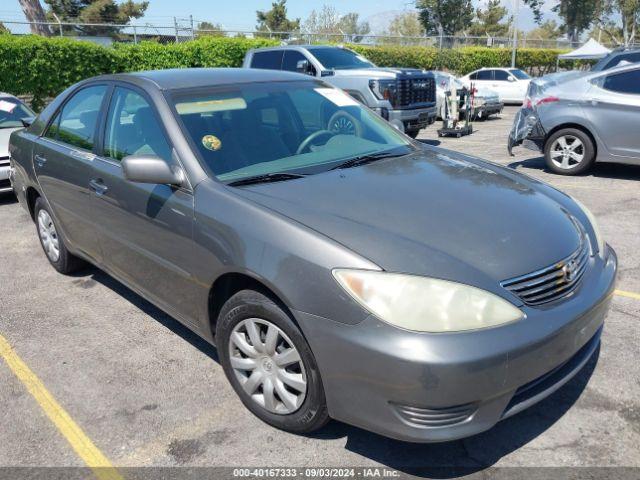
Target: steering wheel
column 306, row 143
column 344, row 123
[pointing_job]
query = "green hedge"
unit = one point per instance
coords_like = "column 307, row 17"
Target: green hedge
column 461, row 60
column 43, row 67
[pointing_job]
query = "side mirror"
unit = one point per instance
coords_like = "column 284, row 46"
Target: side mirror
column 151, row 169
column 511, row 79
column 27, row 121
column 303, row 66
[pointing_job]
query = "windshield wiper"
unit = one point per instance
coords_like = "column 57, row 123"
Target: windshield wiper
column 266, row 178
column 363, row 159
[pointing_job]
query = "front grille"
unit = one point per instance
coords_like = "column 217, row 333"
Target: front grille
column 416, row 90
column 4, row 161
column 434, row 417
column 554, row 282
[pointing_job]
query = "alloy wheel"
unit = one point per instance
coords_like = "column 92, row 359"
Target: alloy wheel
column 567, row 151
column 48, row 235
column 268, row 366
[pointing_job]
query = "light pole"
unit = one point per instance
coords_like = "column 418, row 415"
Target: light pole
column 515, row 33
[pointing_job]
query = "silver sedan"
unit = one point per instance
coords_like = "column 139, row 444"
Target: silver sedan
column 578, row 118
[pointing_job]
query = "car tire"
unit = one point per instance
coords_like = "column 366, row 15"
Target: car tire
column 253, row 368
column 412, row 133
column 52, row 243
column 569, row 151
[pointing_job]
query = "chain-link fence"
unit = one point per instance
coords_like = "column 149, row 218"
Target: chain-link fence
column 187, row 29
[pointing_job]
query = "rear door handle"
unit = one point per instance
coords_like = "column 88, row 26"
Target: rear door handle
column 40, row 160
column 98, row 187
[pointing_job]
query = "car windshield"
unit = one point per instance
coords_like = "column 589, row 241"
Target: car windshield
column 12, row 111
column 334, row 58
column 519, row 74
column 302, row 127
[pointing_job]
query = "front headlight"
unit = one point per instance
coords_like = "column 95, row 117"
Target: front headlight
column 594, row 225
column 425, row 304
column 384, row 90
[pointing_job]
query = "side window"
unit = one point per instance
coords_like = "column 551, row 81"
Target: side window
column 485, row 75
column 291, row 59
column 627, row 82
column 132, row 128
column 473, row 76
column 270, row 59
column 75, row 124
column 500, row 75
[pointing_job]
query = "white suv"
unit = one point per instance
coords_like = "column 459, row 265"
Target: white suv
column 511, row 84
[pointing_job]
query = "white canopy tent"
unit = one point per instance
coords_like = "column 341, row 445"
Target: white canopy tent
column 589, row 51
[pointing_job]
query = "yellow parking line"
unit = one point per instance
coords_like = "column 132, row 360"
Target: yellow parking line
column 623, row 293
column 82, row 445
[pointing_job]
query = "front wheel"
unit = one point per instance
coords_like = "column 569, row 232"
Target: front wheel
column 412, row 133
column 569, row 152
column 270, row 364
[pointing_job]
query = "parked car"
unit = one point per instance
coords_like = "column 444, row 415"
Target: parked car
column 617, row 58
column 485, row 102
column 405, row 97
column 511, row 84
column 356, row 274
column 579, row 121
column 14, row 114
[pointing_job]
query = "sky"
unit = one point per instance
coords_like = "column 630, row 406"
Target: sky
column 240, row 14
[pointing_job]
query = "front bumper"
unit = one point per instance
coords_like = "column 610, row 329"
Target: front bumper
column 439, row 387
column 416, row 119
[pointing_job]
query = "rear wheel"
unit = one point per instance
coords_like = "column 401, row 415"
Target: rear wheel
column 569, row 152
column 52, row 244
column 270, row 364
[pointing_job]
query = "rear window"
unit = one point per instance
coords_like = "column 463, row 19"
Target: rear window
column 269, row 60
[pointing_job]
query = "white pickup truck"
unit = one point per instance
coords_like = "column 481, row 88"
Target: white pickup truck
column 403, row 96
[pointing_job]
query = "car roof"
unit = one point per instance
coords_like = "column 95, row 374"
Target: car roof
column 178, row 78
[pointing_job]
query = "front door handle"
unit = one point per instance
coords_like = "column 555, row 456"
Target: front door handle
column 40, row 160
column 98, row 186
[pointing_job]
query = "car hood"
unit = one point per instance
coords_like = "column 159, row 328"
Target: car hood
column 434, row 212
column 379, row 72
column 5, row 133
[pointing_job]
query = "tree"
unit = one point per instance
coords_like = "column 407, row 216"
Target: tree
column 3, row 29
column 95, row 11
column 406, row 25
column 548, row 30
column 351, row 25
column 35, row 16
column 577, row 16
column 620, row 20
column 275, row 20
column 445, row 17
column 329, row 22
column 210, row 29
column 489, row 21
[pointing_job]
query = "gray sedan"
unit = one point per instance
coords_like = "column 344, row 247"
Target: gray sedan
column 342, row 270
column 578, row 118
